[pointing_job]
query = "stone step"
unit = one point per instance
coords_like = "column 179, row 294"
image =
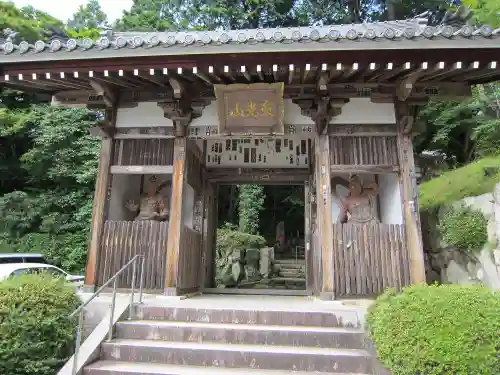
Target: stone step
column 291, row 262
column 250, row 334
column 290, row 266
column 238, row 356
column 132, row 368
column 291, row 273
column 311, row 318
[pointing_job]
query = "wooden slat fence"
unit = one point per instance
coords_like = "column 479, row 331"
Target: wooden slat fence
column 363, row 150
column 122, row 240
column 369, row 258
column 143, row 152
column 190, row 261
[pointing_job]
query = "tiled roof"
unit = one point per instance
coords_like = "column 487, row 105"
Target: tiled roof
column 194, row 42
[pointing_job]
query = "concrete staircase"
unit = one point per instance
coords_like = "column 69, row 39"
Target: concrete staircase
column 179, row 341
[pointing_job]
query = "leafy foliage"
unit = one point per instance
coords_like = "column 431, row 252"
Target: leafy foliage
column 228, row 238
column 251, row 202
column 464, row 229
column 89, row 16
column 34, row 326
column 474, row 179
column 463, row 129
column 50, row 170
column 485, row 11
column 436, row 330
column 28, row 21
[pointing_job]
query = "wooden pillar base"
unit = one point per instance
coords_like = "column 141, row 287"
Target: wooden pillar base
column 327, row 296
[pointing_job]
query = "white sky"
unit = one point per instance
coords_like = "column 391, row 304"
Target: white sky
column 64, row 9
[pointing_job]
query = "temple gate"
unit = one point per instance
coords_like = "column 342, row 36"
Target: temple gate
column 332, row 108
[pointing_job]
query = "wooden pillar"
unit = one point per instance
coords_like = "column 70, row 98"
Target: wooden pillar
column 98, row 214
column 324, row 214
column 409, row 194
column 209, row 229
column 175, row 221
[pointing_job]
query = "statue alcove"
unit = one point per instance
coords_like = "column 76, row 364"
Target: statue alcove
column 383, row 203
column 130, row 192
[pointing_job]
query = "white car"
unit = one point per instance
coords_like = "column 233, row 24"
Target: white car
column 18, row 269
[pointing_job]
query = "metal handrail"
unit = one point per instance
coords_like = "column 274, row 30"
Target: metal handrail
column 81, row 309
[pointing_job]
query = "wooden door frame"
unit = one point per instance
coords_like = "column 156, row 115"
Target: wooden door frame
column 307, row 243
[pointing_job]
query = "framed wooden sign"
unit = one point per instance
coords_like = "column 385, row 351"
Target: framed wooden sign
column 250, row 109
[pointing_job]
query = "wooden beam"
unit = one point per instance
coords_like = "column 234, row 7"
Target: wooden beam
column 99, row 210
column 409, row 195
column 142, row 169
column 337, row 168
column 102, row 89
column 176, row 218
column 324, row 214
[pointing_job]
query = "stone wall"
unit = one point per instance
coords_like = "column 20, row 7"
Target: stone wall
column 447, row 265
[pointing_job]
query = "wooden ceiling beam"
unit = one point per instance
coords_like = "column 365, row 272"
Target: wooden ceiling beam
column 491, row 70
column 149, row 77
column 212, row 74
column 393, row 71
column 336, row 72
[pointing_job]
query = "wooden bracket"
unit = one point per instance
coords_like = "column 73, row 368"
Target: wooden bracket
column 182, row 112
column 326, row 109
column 107, row 93
column 322, row 84
column 177, row 87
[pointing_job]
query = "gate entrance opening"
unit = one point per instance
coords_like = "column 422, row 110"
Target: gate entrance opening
column 260, row 242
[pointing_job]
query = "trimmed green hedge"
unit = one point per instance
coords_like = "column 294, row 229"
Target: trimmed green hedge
column 36, row 336
column 437, row 330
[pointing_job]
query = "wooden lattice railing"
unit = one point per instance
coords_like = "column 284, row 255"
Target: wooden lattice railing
column 122, row 240
column 369, row 258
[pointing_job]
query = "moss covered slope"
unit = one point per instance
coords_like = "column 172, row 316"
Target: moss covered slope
column 473, row 179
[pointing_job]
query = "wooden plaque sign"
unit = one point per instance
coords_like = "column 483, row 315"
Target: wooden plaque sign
column 250, row 109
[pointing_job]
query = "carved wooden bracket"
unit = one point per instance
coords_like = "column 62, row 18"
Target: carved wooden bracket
column 321, row 110
column 182, row 112
column 406, row 115
column 108, row 96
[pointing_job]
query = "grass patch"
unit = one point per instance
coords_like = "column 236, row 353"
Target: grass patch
column 471, row 180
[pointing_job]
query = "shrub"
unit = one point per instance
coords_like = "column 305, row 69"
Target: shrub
column 36, row 335
column 464, row 229
column 437, row 330
column 228, row 239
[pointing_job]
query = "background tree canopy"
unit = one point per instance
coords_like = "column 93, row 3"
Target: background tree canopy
column 48, row 161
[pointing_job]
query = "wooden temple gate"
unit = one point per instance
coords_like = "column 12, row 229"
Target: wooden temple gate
column 164, row 86
column 362, row 260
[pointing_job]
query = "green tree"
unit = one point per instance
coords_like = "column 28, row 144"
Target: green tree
column 89, row 16
column 52, row 163
column 29, row 22
column 485, row 11
column 251, row 201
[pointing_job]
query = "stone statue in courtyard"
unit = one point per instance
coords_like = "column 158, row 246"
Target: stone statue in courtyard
column 359, row 205
column 151, row 205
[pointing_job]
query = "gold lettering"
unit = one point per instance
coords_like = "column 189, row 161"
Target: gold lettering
column 251, row 110
column 266, row 108
column 237, row 111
